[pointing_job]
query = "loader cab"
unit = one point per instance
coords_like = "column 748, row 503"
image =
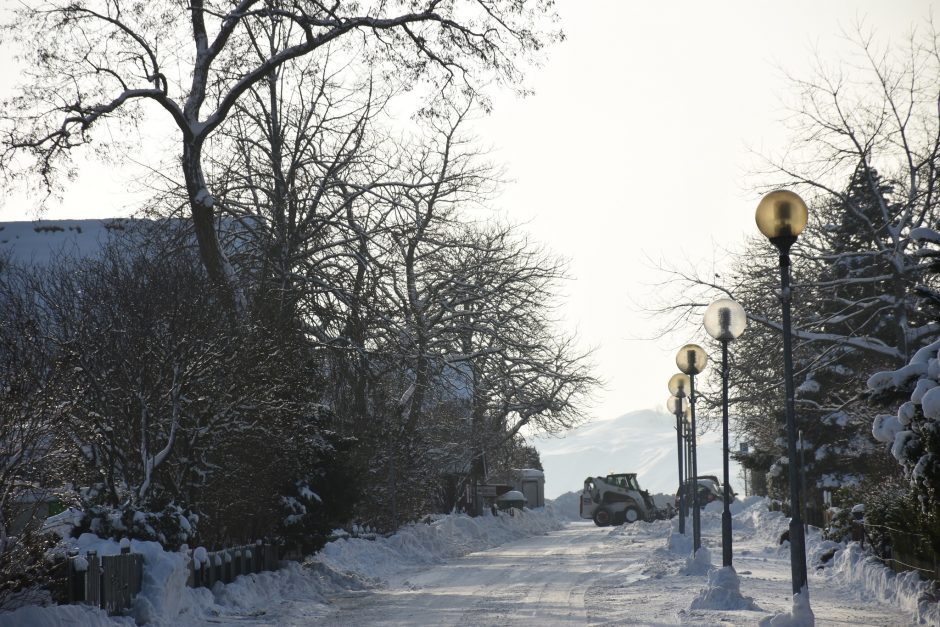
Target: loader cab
column 627, row 481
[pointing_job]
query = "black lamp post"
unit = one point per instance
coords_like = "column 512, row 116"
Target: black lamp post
column 691, row 360
column 725, row 321
column 687, row 435
column 678, row 407
column 781, row 217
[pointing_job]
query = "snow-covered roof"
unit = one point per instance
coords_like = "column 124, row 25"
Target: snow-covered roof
column 39, row 242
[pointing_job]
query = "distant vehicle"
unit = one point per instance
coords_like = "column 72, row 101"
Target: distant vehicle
column 709, row 490
column 616, row 499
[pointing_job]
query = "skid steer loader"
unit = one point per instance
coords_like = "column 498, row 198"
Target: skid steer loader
column 616, row 499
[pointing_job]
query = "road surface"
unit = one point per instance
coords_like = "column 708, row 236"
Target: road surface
column 584, row 575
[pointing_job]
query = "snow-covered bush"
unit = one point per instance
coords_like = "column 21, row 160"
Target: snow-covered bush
column 172, row 526
column 321, row 500
column 839, row 528
column 912, row 434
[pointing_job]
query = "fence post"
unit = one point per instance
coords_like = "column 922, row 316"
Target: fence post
column 93, row 579
column 75, row 579
column 229, row 565
column 137, row 574
column 226, row 565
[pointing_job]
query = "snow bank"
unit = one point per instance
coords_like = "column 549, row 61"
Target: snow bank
column 851, row 566
column 423, row 544
column 164, row 595
column 567, row 506
column 342, row 566
column 907, row 590
column 767, row 525
column 61, row 616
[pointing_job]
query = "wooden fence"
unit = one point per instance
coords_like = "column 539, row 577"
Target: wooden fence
column 227, row 564
column 906, row 552
column 899, row 550
column 112, row 581
column 109, row 582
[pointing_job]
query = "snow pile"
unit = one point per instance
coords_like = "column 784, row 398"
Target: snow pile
column 800, row 616
column 767, row 525
column 680, row 543
column 723, row 592
column 905, row 431
column 423, row 544
column 61, row 616
column 698, row 564
column 567, row 506
column 62, row 523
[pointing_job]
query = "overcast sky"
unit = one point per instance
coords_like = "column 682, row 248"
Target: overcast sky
column 637, row 144
column 634, row 148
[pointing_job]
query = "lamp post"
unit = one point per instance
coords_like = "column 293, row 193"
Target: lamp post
column 725, row 321
column 679, row 386
column 687, row 435
column 781, row 216
column 691, row 360
column 678, row 407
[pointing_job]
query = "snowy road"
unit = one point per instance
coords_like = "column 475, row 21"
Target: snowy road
column 537, row 581
column 583, row 575
column 531, row 569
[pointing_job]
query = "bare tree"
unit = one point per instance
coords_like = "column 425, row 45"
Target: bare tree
column 29, row 459
column 93, row 62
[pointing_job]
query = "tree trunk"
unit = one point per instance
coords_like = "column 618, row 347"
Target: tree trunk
column 202, row 205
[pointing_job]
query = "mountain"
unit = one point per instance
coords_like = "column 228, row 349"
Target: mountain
column 38, row 242
column 642, row 441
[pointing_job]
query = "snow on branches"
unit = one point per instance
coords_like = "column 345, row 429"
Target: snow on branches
column 914, row 431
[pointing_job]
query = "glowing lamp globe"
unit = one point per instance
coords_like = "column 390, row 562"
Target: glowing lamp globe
column 691, row 359
column 725, row 319
column 781, row 214
column 675, row 402
column 680, row 385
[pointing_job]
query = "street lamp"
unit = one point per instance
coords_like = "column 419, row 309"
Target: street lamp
column 678, row 407
column 691, row 360
column 781, row 217
column 725, row 321
column 687, row 436
column 679, row 386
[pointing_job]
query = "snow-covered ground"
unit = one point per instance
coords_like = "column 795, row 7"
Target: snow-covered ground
column 641, row 441
column 535, row 568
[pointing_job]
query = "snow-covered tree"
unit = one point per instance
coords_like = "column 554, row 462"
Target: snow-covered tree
column 864, row 154
column 913, row 432
column 98, row 68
